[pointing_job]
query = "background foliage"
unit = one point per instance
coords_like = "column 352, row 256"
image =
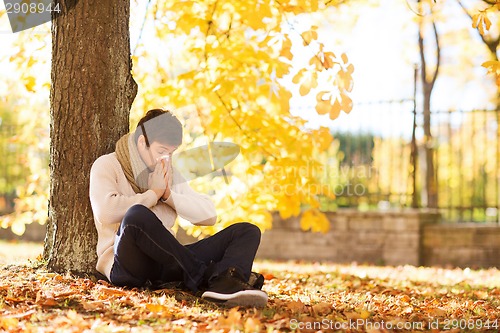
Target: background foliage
column 229, row 71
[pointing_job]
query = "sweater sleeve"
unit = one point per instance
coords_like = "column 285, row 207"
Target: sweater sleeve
column 108, row 203
column 192, row 206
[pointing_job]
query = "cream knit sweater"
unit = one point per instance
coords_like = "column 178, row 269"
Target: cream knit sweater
column 111, row 195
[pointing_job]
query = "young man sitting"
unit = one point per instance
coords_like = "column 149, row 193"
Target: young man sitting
column 136, row 196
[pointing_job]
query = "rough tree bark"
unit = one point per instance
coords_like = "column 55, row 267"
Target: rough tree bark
column 91, row 94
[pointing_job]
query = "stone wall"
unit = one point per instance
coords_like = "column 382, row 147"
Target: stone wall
column 35, row 232
column 463, row 245
column 391, row 237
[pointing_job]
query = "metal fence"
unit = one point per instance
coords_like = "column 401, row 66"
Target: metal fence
column 377, row 165
column 468, row 163
column 386, row 164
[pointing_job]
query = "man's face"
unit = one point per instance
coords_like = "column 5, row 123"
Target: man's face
column 155, row 152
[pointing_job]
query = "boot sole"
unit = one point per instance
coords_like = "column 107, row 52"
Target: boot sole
column 244, row 298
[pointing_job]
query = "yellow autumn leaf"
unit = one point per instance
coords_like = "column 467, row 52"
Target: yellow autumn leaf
column 309, row 36
column 307, row 220
column 323, row 107
column 288, row 206
column 9, row 323
column 316, row 63
column 255, row 21
column 346, row 103
column 233, row 319
column 297, row 77
column 156, row 308
column 286, row 48
column 322, row 96
column 481, row 22
column 493, row 66
column 282, row 70
column 335, row 110
column 29, row 83
column 314, row 220
column 344, row 81
column 481, row 28
column 475, row 21
column 365, row 314
column 252, row 325
column 31, row 62
column 344, row 58
column 323, row 138
column 309, row 82
column 329, row 60
column 487, row 22
column 284, row 97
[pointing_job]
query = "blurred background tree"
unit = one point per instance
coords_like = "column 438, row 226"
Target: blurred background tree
column 24, row 145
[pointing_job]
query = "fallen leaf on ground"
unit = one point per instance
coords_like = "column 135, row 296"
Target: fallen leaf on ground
column 296, row 306
column 38, row 301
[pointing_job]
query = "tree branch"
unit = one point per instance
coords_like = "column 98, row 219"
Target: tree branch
column 423, row 65
column 492, row 45
column 490, row 2
column 464, row 9
column 142, row 27
column 438, row 54
column 228, row 110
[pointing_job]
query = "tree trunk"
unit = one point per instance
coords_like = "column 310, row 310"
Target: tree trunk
column 428, row 81
column 91, row 94
column 430, row 169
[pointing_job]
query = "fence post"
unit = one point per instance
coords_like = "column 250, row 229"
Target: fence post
column 414, row 150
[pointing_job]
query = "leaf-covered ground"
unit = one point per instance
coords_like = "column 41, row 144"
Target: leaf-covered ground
column 303, row 297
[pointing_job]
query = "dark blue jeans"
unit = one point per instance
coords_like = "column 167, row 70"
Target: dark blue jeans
column 145, row 250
